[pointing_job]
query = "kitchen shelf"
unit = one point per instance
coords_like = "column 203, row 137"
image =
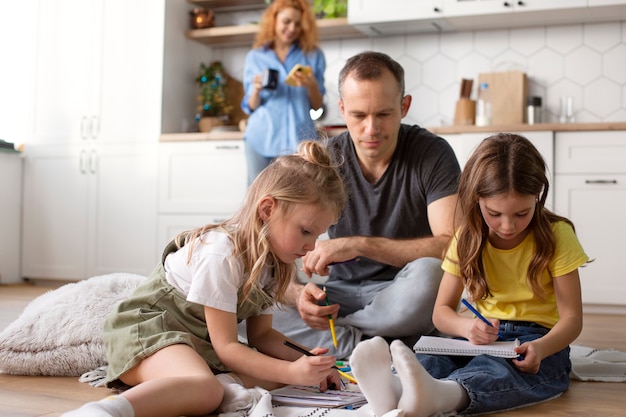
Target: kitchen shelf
column 244, row 34
column 229, row 5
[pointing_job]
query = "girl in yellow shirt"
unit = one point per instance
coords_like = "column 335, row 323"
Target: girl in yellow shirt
column 519, row 262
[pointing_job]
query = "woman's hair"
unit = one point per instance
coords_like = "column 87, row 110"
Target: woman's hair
column 307, row 177
column 266, row 35
column 369, row 65
column 501, row 164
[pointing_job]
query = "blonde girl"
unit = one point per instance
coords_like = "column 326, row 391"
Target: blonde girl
column 519, row 263
column 174, row 343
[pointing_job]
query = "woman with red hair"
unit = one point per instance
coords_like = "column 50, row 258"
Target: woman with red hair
column 280, row 113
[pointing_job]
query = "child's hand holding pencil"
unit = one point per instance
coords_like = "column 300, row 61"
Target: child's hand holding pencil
column 307, row 353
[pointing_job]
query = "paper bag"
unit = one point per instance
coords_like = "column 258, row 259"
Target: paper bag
column 508, row 95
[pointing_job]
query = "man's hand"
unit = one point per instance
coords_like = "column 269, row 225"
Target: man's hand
column 327, row 252
column 313, row 314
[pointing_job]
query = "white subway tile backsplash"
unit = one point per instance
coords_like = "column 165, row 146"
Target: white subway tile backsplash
column 456, row 45
column 439, row 72
column 491, row 43
column 564, row 39
column 413, row 71
column 528, row 41
column 602, row 98
column 583, row 65
column 602, row 37
column 422, row 47
column 546, row 67
column 614, row 64
column 585, row 61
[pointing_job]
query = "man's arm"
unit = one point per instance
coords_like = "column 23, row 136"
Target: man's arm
column 396, row 252
column 399, row 252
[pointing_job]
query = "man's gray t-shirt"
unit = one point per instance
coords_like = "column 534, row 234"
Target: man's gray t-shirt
column 423, row 169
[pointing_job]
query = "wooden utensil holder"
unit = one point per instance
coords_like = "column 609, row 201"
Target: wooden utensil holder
column 465, row 112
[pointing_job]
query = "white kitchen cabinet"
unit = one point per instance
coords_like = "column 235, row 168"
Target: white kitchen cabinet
column 10, row 219
column 590, row 190
column 55, row 213
column 199, row 182
column 98, row 71
column 605, row 2
column 67, row 80
column 89, row 212
column 483, row 7
column 90, row 194
column 201, row 177
column 392, row 17
column 464, row 144
column 486, row 14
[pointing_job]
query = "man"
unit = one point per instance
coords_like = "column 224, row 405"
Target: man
column 383, row 257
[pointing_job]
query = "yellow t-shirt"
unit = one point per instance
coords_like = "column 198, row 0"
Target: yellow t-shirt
column 506, row 272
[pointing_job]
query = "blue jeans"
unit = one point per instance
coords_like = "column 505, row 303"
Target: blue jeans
column 401, row 308
column 495, row 384
column 255, row 162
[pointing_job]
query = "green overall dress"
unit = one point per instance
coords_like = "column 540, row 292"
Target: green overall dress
column 157, row 315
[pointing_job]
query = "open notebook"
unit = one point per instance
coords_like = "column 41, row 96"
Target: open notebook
column 305, row 396
column 445, row 346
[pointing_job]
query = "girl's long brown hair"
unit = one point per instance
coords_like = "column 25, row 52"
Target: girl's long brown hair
column 501, row 164
column 308, row 177
column 308, row 40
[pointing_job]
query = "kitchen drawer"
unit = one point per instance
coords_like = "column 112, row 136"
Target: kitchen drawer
column 596, row 207
column 590, row 152
column 201, row 177
column 170, row 225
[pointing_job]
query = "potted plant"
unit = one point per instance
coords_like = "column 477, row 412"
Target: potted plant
column 330, row 9
column 213, row 108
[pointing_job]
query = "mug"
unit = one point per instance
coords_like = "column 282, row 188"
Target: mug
column 270, row 79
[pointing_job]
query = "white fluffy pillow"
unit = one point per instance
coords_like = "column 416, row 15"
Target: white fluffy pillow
column 59, row 333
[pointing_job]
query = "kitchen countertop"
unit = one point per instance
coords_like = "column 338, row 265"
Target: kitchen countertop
column 556, row 127
column 440, row 130
column 201, row 136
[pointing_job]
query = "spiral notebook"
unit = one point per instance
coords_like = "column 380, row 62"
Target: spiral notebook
column 434, row 345
column 305, row 396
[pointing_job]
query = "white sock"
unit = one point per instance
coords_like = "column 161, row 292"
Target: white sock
column 112, row 406
column 371, row 366
column 236, row 396
column 423, row 395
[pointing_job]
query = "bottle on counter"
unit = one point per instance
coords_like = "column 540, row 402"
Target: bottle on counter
column 483, row 105
column 533, row 110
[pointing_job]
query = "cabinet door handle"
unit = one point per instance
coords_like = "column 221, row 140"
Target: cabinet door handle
column 506, row 4
column 93, row 161
column 520, row 3
column 600, row 181
column 94, row 126
column 227, row 147
column 82, row 162
column 83, row 127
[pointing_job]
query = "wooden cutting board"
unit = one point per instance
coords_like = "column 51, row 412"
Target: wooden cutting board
column 509, row 90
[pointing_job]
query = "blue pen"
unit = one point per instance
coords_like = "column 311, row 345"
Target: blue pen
column 477, row 314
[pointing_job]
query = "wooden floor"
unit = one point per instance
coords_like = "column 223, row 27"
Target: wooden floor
column 22, row 396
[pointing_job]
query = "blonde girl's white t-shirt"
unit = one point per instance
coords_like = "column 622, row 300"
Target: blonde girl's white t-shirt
column 506, row 272
column 213, row 276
